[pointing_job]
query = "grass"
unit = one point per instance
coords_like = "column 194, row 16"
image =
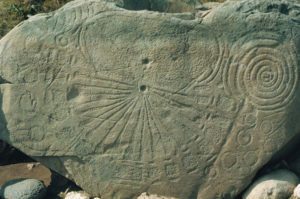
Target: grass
column 13, row 12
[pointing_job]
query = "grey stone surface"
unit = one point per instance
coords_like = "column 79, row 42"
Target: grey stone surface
column 279, row 184
column 125, row 102
column 23, row 189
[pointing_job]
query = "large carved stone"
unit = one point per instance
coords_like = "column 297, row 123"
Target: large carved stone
column 125, row 102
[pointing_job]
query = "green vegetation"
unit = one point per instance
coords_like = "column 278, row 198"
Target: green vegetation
column 13, row 12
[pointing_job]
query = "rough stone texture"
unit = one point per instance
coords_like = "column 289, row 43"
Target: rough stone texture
column 77, row 195
column 147, row 196
column 279, row 184
column 296, row 193
column 25, row 170
column 125, row 102
column 23, row 189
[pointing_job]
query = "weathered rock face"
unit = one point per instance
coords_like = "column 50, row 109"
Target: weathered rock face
column 125, row 102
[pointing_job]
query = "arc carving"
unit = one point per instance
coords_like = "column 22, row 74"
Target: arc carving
column 262, row 70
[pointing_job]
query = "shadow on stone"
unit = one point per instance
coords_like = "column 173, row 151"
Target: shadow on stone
column 170, row 6
column 8, row 154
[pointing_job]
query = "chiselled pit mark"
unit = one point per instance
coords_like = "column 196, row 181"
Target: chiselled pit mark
column 145, row 61
column 72, row 93
column 143, row 88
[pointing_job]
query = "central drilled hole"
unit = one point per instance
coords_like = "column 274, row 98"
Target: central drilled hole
column 143, row 88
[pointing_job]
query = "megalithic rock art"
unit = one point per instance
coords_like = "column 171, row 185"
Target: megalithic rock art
column 126, row 101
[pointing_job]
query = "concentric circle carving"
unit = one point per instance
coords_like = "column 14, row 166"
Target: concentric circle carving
column 263, row 70
column 244, row 137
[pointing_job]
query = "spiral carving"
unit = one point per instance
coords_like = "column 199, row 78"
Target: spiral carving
column 262, row 69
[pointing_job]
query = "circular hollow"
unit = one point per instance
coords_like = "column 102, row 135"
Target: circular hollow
column 143, row 88
column 145, row 61
column 244, row 138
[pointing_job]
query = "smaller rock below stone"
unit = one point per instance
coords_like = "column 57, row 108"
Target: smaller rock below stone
column 30, row 166
column 23, row 189
column 25, row 171
column 276, row 185
column 77, row 195
column 146, row 196
column 296, row 194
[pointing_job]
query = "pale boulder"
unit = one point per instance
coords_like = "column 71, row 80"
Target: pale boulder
column 149, row 196
column 279, row 184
